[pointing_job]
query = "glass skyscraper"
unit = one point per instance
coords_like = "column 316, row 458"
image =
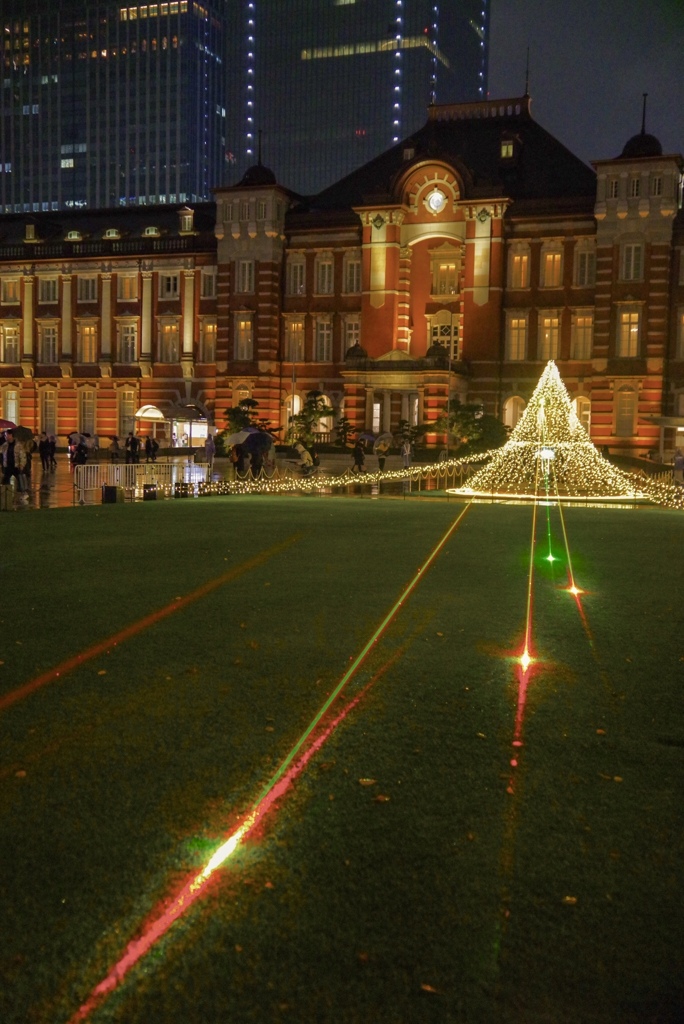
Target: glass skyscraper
column 332, row 83
column 104, row 105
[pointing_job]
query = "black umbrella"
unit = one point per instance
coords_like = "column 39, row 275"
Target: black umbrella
column 259, row 442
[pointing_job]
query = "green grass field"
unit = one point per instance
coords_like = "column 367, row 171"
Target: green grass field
column 472, row 891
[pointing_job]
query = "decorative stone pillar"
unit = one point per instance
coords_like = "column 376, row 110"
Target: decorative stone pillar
column 106, row 332
column 27, row 327
column 403, row 302
column 188, row 323
column 146, row 325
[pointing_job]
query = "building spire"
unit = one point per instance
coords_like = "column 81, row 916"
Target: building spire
column 527, row 73
column 259, row 148
column 643, row 115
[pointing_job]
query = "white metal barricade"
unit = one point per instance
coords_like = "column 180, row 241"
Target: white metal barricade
column 132, row 478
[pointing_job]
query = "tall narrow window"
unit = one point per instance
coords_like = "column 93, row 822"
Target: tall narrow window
column 352, row 332
column 48, row 410
column 208, row 283
column 127, row 287
column 87, row 343
column 168, row 342
column 324, row 275
column 444, row 279
column 169, row 286
column 47, row 289
column 552, row 269
column 549, row 336
column 519, row 270
column 10, row 405
column 87, row 289
column 127, row 406
column 11, row 290
column 86, row 410
column 9, row 343
column 516, row 338
column 294, row 341
column 128, row 343
column 585, row 268
column 581, row 334
column 352, row 274
column 629, row 324
column 245, row 277
column 244, row 337
column 48, row 344
column 625, row 411
column 295, row 276
column 323, row 346
column 207, row 341
column 632, row 262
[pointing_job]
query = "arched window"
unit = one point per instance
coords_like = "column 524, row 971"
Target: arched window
column 513, row 409
column 582, row 407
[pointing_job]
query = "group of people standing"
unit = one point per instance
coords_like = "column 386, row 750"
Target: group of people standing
column 17, row 458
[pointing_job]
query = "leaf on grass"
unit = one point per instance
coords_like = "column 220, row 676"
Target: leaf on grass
column 268, row 885
column 367, row 782
column 570, row 900
column 482, row 735
column 440, row 634
column 617, row 778
column 600, row 732
column 21, row 774
column 381, row 798
column 269, row 728
column 102, row 672
column 429, row 988
column 363, row 957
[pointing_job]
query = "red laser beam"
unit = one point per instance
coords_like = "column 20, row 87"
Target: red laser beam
column 64, row 667
column 275, row 788
column 195, row 886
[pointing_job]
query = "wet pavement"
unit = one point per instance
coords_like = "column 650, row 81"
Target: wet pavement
column 56, row 488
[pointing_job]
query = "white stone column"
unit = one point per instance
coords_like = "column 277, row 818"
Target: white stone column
column 386, row 411
column 188, row 320
column 28, row 317
column 67, row 321
column 106, row 345
column 146, row 317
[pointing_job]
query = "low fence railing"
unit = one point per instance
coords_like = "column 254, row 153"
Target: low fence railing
column 133, row 478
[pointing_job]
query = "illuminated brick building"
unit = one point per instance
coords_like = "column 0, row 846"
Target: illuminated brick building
column 460, row 260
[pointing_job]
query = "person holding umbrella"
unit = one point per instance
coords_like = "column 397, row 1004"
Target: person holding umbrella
column 359, row 457
column 14, row 463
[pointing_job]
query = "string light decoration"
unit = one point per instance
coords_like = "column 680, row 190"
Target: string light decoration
column 549, row 441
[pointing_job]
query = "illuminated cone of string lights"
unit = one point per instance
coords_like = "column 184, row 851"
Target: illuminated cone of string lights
column 550, row 451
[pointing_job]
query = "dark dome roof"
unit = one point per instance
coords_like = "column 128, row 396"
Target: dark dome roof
column 641, row 145
column 356, row 352
column 258, row 175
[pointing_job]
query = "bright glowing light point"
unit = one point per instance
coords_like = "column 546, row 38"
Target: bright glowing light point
column 550, row 558
column 575, row 590
column 525, row 660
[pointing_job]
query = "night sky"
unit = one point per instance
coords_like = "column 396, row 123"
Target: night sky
column 590, row 62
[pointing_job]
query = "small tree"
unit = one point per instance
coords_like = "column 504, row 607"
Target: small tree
column 303, row 424
column 470, row 429
column 407, row 432
column 242, row 415
column 344, row 431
